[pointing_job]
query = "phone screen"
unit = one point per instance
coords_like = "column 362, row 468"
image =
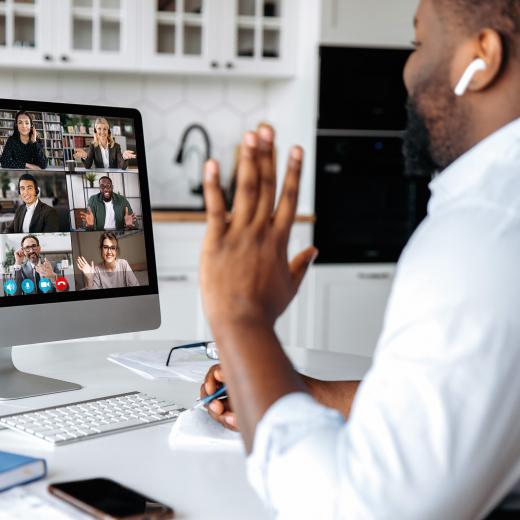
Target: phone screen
column 110, row 498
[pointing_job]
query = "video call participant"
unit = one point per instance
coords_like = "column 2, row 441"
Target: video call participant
column 33, row 216
column 23, row 149
column 29, row 265
column 108, row 210
column 112, row 271
column 104, row 152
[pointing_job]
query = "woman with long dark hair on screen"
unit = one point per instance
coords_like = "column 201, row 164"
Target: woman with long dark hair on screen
column 23, row 149
column 104, row 152
column 112, row 271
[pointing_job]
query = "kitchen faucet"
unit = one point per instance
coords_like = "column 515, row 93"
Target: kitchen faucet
column 181, row 154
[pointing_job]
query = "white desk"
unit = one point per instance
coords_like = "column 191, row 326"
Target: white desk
column 198, row 485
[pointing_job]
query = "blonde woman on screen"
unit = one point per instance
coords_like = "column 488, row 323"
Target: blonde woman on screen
column 104, row 152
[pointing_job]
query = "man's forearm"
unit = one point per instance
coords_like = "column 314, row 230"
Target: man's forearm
column 333, row 394
column 257, row 373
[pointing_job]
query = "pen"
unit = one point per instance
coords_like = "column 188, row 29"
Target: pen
column 219, row 394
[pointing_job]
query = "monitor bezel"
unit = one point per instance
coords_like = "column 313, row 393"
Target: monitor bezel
column 97, row 294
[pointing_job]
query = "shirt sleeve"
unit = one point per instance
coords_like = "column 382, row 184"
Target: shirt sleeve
column 90, row 157
column 130, row 278
column 7, row 160
column 434, row 431
column 41, row 158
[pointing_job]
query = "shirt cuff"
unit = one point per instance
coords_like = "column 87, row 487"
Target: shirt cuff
column 295, row 422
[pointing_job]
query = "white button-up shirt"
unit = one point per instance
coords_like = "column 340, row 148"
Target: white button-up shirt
column 29, row 212
column 434, row 431
column 105, row 156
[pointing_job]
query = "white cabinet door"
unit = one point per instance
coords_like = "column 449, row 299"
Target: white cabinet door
column 369, row 22
column 181, row 309
column 96, row 34
column 25, row 35
column 258, row 37
column 347, row 307
column 223, row 37
column 291, row 327
column 178, row 35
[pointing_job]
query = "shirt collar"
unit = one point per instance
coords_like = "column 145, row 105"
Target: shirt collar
column 477, row 165
column 33, row 205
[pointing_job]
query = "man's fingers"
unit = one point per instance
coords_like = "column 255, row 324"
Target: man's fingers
column 286, row 211
column 246, row 196
column 299, row 265
column 126, row 212
column 267, row 168
column 214, row 199
column 217, row 407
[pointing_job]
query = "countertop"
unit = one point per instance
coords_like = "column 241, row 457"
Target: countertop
column 200, row 216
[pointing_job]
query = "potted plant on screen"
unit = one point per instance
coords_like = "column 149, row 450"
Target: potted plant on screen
column 91, row 178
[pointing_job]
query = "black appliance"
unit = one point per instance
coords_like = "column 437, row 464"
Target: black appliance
column 366, row 207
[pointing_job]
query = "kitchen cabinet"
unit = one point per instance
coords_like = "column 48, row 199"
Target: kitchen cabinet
column 370, row 23
column 25, row 39
column 69, row 34
column 95, row 34
column 177, row 250
column 347, row 305
column 254, row 38
column 228, row 37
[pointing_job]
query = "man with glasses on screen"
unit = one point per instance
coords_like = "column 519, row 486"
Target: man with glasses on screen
column 108, row 210
column 32, row 274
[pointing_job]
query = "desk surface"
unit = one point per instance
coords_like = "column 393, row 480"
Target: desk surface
column 189, row 481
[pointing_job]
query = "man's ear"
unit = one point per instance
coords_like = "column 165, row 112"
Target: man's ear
column 489, row 47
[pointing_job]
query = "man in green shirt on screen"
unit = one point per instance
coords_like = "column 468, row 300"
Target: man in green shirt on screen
column 108, row 210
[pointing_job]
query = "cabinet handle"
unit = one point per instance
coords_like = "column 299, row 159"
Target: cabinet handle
column 64, row 58
column 230, row 65
column 214, row 64
column 47, row 57
column 374, row 276
column 174, row 278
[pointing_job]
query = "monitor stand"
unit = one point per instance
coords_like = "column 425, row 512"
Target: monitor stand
column 17, row 385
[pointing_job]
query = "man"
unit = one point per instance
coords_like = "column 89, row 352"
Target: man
column 108, row 210
column 33, row 216
column 434, row 429
column 29, row 266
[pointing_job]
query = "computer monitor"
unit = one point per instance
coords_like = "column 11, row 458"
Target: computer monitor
column 76, row 245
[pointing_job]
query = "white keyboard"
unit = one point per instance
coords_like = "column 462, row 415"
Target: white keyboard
column 84, row 420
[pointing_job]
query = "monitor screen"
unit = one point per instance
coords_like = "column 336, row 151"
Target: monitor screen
column 75, row 220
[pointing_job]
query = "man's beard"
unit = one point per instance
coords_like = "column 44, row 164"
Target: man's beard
column 418, row 158
column 437, row 126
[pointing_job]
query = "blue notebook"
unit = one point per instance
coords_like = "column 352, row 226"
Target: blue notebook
column 19, row 469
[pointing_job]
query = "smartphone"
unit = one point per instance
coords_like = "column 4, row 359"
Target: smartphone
column 105, row 499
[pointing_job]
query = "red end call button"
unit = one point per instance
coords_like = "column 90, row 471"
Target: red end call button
column 61, row 283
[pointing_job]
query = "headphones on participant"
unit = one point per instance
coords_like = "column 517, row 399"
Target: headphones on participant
column 28, row 177
column 475, row 66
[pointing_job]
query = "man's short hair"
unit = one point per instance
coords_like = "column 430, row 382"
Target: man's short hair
column 30, row 236
column 470, row 16
column 27, row 177
column 105, row 177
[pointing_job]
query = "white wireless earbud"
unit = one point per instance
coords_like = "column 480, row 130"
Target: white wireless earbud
column 475, row 66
